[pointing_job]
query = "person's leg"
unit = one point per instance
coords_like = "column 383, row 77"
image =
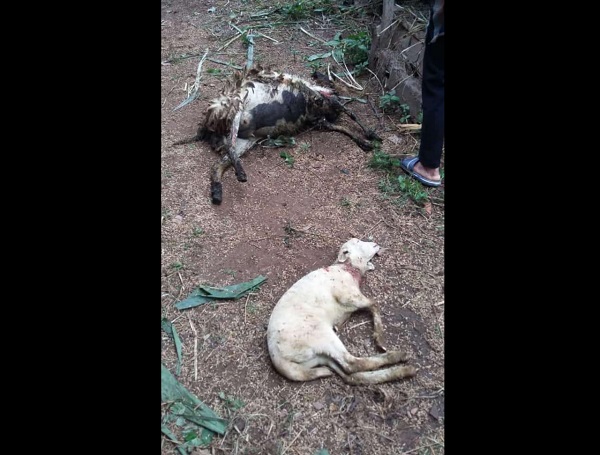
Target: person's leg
column 432, row 128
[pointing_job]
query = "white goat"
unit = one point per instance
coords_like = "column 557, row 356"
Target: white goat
column 301, row 334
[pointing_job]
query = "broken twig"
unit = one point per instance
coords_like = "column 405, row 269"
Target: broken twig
column 195, row 349
column 250, row 58
column 231, row 41
column 193, row 90
column 381, row 32
column 409, row 127
column 293, row 440
column 313, row 36
column 220, row 62
column 268, row 37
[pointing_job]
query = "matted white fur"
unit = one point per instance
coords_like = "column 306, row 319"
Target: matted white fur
column 301, row 334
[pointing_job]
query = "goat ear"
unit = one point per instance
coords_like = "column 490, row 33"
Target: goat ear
column 343, row 256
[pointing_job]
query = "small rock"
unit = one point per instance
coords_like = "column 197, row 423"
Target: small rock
column 413, row 411
column 437, row 410
column 239, row 423
column 177, row 219
column 319, row 405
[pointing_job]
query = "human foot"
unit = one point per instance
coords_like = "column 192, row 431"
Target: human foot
column 427, row 176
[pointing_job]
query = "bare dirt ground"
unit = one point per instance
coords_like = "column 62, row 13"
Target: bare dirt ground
column 282, row 223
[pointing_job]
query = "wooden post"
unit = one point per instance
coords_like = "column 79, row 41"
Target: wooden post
column 387, row 15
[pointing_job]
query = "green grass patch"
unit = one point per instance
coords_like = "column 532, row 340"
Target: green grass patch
column 397, row 185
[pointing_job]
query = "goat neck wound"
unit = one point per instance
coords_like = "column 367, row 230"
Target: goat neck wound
column 356, row 274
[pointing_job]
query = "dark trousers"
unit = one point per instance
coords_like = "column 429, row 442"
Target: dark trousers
column 432, row 128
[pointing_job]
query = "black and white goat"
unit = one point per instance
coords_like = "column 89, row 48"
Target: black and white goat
column 256, row 104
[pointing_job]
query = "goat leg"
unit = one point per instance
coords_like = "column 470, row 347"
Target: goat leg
column 377, row 327
column 216, row 187
column 369, row 133
column 231, row 149
column 365, row 145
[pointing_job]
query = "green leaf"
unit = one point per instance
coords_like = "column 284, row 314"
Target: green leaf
column 206, row 437
column 280, row 141
column 177, row 408
column 188, row 405
column 235, row 291
column 165, row 430
column 204, row 294
column 336, row 39
column 318, row 56
column 172, row 332
column 338, row 54
column 189, row 436
column 322, row 452
column 193, row 442
column 187, row 101
column 195, row 299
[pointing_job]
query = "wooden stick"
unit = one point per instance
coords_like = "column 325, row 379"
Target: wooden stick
column 381, row 32
column 250, row 59
column 380, row 84
column 409, row 127
column 231, row 41
column 313, row 36
column 268, row 37
column 293, row 440
column 195, row 349
column 224, row 63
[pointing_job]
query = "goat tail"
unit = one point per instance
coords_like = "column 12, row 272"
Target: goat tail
column 203, row 134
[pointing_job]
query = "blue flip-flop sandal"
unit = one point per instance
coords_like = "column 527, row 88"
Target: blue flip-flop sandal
column 408, row 165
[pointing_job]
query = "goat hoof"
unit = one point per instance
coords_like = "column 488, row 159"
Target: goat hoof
column 216, row 193
column 241, row 177
column 409, row 371
column 379, row 342
column 366, row 147
column 399, row 356
column 372, row 136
